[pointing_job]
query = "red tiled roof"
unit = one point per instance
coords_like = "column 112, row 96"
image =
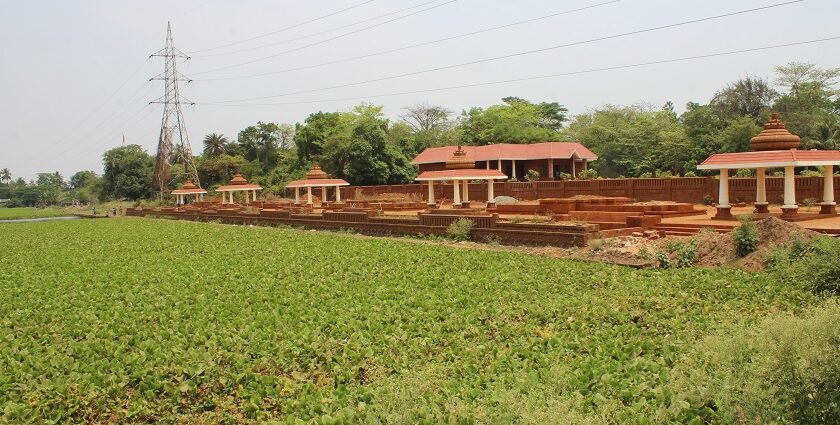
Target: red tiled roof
column 194, row 191
column 556, row 150
column 317, row 183
column 462, row 174
column 754, row 159
column 234, row 187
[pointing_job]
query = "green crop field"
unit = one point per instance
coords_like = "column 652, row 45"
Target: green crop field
column 28, row 212
column 140, row 320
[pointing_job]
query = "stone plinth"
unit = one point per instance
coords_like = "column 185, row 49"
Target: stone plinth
column 790, row 213
column 723, row 212
column 761, row 208
column 828, row 208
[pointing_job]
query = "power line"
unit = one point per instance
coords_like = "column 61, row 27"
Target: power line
column 517, row 54
column 287, row 28
column 329, row 39
column 289, row 40
column 540, row 77
column 412, row 46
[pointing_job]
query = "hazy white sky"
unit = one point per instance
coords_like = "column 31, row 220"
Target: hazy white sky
column 74, row 74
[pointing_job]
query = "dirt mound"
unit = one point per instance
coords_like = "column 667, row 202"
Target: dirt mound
column 715, row 250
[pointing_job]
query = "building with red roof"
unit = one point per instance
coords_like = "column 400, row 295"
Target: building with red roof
column 514, row 160
column 774, row 147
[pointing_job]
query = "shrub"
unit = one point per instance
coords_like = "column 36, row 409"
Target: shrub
column 813, row 265
column 687, row 254
column 565, row 176
column 689, row 174
column 708, row 199
column 588, row 174
column 745, row 237
column 597, row 244
column 460, row 229
column 810, row 173
column 785, row 370
column 532, row 175
column 493, row 240
column 809, row 202
column 663, row 260
column 744, row 172
column 646, row 175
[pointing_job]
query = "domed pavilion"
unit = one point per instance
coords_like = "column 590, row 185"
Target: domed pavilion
column 189, row 188
column 774, row 147
column 316, row 177
column 460, row 169
column 238, row 184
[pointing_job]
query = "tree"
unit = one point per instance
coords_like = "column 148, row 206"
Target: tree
column 318, row 128
column 749, row 97
column 82, row 179
column 5, row 176
column 793, row 74
column 128, row 172
column 806, row 108
column 260, row 143
column 423, row 117
column 215, row 144
column 515, row 121
column 431, row 125
column 49, row 187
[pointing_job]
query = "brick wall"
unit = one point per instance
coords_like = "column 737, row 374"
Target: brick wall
column 681, row 189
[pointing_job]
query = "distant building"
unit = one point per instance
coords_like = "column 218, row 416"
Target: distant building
column 514, row 160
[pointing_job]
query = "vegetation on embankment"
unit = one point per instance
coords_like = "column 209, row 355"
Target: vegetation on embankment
column 27, row 212
column 136, row 320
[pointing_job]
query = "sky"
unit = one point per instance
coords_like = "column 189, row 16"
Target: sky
column 74, row 76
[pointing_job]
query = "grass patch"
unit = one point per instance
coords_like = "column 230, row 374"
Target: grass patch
column 140, row 320
column 29, row 212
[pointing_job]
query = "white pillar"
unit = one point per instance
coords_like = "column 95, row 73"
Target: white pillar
column 456, row 196
column 723, row 192
column 338, row 194
column 466, row 191
column 323, row 194
column 574, row 172
column 255, row 195
column 309, row 195
column 513, row 167
column 500, row 164
column 431, row 198
column 790, row 189
column 297, row 196
column 760, row 188
column 490, row 196
column 828, row 185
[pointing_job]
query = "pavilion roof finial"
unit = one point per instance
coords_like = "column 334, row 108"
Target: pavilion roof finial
column 238, row 180
column 460, row 160
column 774, row 137
column 316, row 173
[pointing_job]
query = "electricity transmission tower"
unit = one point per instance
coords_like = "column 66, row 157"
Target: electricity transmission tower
column 172, row 125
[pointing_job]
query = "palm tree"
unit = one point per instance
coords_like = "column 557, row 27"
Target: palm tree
column 827, row 136
column 5, row 176
column 215, row 144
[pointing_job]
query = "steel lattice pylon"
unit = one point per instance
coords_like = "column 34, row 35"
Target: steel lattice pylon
column 172, row 125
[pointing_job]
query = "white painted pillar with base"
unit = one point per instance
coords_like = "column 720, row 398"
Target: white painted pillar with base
column 255, row 195
column 323, row 194
column 338, row 194
column 760, row 191
column 790, row 188
column 724, row 210
column 500, row 164
column 456, row 193
column 466, row 191
column 309, row 195
column 574, row 172
column 431, row 198
column 513, row 167
column 491, row 197
column 297, row 196
column 828, row 206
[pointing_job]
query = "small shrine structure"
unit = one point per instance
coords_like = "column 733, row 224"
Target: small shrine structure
column 189, row 188
column 460, row 170
column 316, row 177
column 774, row 147
column 238, row 184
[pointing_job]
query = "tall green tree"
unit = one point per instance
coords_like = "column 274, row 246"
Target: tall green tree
column 750, row 96
column 128, row 172
column 515, row 121
column 5, row 176
column 215, row 144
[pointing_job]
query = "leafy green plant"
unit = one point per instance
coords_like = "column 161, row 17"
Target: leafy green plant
column 708, row 199
column 813, row 265
column 460, row 229
column 687, row 255
column 744, row 172
column 785, row 370
column 745, row 236
column 809, row 203
column 565, row 176
column 597, row 244
column 588, row 174
column 493, row 240
column 663, row 259
column 532, row 175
